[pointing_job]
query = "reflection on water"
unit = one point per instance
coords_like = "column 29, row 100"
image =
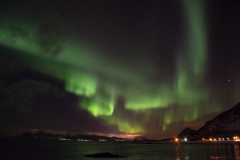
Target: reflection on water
column 75, row 150
column 237, row 151
column 208, row 151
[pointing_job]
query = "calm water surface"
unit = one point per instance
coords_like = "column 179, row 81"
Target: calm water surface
column 54, row 149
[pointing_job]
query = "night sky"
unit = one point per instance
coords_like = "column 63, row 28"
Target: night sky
column 117, row 67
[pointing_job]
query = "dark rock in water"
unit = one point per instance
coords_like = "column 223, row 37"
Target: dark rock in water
column 104, row 155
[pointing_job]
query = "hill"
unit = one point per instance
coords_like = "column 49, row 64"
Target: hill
column 186, row 133
column 225, row 124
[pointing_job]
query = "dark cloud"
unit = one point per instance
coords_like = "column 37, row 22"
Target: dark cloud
column 9, row 67
column 20, row 95
column 15, row 31
column 50, row 39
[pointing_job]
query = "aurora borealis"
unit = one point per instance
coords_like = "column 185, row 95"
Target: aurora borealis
column 146, row 68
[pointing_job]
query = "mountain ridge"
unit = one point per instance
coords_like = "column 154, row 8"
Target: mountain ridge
column 226, row 123
column 186, row 133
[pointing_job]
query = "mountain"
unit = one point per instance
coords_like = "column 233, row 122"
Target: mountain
column 186, row 132
column 225, row 124
column 40, row 135
column 44, row 135
column 140, row 138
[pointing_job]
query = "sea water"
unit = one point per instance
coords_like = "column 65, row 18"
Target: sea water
column 56, row 149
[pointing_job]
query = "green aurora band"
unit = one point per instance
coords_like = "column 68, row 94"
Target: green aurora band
column 100, row 82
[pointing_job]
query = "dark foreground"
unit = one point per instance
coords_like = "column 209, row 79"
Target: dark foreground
column 55, row 149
